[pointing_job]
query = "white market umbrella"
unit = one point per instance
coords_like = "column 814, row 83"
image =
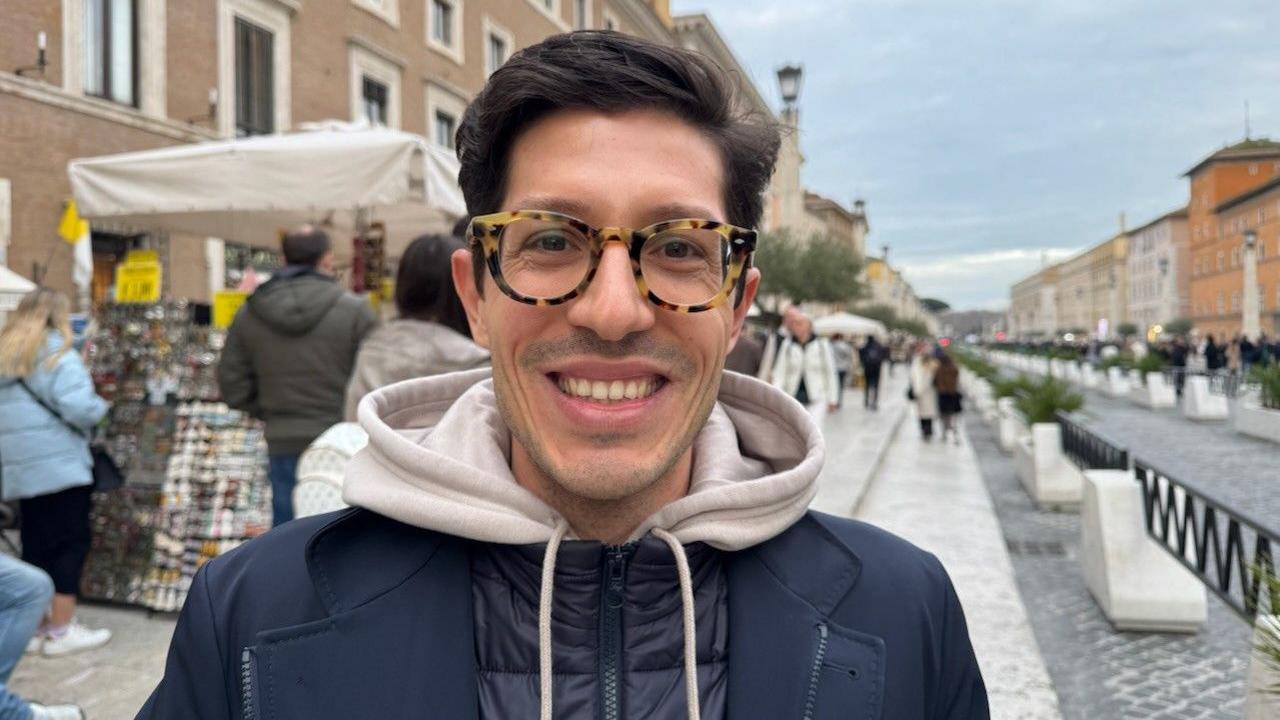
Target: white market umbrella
column 849, row 324
column 248, row 190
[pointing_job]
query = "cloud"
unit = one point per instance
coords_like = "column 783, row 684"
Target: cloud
column 976, row 280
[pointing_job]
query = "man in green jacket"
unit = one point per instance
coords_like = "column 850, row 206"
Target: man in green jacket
column 289, row 354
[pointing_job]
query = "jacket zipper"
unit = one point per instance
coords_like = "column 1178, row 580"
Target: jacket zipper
column 248, row 708
column 616, row 558
column 815, row 673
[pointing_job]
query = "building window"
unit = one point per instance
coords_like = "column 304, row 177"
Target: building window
column 446, row 128
column 1222, row 260
column 581, row 14
column 444, row 28
column 388, row 10
column 1235, row 302
column 111, row 50
column 498, row 45
column 1253, row 168
column 1222, row 302
column 374, row 95
column 375, row 88
column 255, row 79
column 550, row 9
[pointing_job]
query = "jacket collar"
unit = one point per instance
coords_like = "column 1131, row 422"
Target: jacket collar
column 369, row 571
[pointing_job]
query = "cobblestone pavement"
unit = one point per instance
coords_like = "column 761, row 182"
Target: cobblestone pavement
column 1099, row 673
column 1237, row 471
column 933, row 495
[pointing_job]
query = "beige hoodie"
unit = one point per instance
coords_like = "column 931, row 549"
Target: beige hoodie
column 439, row 458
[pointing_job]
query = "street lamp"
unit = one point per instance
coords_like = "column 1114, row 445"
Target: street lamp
column 1251, row 323
column 789, row 82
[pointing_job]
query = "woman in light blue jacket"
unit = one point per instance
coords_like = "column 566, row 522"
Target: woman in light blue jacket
column 48, row 408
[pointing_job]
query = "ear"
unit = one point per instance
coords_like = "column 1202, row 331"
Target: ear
column 750, row 287
column 464, row 282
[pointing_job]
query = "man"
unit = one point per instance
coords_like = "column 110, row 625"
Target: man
column 1178, row 352
column 608, row 526
column 805, row 367
column 871, row 355
column 289, row 354
column 842, row 353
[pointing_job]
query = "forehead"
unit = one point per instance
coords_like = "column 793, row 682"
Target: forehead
column 633, row 168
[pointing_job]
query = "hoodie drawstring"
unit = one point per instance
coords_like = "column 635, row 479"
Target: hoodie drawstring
column 544, row 616
column 690, row 632
column 687, row 612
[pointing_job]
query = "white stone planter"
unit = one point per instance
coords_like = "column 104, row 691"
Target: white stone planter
column 1012, row 428
column 1058, row 369
column 1048, row 476
column 1117, row 383
column 1198, row 403
column 1073, row 374
column 1155, row 394
column 1137, row 584
column 1256, row 421
column 1261, row 704
column 1089, row 378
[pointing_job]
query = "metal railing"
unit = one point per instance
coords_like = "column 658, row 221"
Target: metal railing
column 1221, row 382
column 1191, row 528
column 1088, row 450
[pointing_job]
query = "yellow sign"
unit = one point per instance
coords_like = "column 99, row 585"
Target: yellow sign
column 225, row 305
column 71, row 227
column 138, row 257
column 138, row 282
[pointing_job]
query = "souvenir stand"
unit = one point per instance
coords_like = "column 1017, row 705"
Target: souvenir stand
column 196, row 470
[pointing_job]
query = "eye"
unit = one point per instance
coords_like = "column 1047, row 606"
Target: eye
column 676, row 249
column 548, row 241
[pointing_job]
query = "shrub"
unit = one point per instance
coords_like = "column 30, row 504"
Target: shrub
column 1148, row 364
column 1124, row 361
column 1011, row 387
column 1042, row 401
column 1268, row 376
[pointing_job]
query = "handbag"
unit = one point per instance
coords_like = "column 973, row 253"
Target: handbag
column 107, row 475
column 911, row 393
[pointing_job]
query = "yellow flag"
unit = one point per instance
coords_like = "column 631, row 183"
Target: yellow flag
column 72, row 227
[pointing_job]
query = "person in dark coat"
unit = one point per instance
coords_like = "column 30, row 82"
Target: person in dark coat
column 1178, row 352
column 541, row 540
column 289, row 354
column 872, row 356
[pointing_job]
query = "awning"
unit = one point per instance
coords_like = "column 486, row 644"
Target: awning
column 248, row 190
column 849, row 324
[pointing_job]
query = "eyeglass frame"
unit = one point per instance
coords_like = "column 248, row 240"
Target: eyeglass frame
column 486, row 232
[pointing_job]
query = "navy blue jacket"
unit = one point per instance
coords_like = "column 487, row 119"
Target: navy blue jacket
column 353, row 615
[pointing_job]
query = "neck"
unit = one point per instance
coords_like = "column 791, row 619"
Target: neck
column 612, row 520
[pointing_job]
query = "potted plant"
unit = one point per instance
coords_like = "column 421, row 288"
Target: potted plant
column 1261, row 419
column 1051, row 480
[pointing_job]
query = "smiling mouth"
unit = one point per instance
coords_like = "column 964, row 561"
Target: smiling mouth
column 609, row 392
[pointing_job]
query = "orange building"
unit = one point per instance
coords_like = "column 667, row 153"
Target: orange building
column 1225, row 182
column 1259, row 211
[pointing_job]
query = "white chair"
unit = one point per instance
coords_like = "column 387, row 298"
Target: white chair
column 321, row 468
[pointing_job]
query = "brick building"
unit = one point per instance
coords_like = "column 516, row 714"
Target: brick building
column 1257, row 210
column 1216, row 183
column 123, row 75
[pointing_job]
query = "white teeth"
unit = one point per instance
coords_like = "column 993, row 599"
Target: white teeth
column 607, row 391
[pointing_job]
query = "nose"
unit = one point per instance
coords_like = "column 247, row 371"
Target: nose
column 612, row 306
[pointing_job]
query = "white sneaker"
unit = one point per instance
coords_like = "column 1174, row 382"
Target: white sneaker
column 76, row 638
column 36, row 643
column 56, row 712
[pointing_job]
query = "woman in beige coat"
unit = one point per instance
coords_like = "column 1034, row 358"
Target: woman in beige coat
column 923, row 368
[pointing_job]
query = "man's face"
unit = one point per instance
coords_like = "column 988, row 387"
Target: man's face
column 629, row 169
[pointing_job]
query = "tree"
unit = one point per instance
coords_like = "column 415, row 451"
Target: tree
column 935, row 305
column 778, row 258
column 1127, row 329
column 889, row 317
column 821, row 270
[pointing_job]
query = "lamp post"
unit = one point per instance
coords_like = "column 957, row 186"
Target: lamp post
column 1251, row 323
column 789, row 77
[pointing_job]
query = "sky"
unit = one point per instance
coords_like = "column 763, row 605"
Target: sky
column 988, row 136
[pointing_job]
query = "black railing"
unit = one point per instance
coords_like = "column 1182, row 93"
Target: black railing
column 1190, row 527
column 1088, row 450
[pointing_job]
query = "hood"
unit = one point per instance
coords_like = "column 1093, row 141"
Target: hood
column 295, row 301
column 434, row 346
column 439, row 458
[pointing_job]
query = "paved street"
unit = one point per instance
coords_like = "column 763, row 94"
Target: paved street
column 1236, row 470
column 1101, row 674
column 933, row 495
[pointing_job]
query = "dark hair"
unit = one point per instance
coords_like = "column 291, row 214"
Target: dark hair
column 611, row 72
column 424, row 283
column 305, row 246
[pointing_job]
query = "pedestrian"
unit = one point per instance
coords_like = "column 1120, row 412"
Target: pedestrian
column 25, row 594
column 921, row 389
column 592, row 527
column 872, row 356
column 773, row 341
column 430, row 336
column 48, row 408
column 946, row 380
column 1178, row 352
column 289, row 355
column 842, row 354
column 1233, row 356
column 1214, row 357
column 805, row 368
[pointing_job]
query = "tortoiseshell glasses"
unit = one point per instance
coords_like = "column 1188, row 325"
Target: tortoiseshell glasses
column 545, row 258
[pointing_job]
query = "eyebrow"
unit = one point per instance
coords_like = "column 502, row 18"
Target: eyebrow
column 579, row 209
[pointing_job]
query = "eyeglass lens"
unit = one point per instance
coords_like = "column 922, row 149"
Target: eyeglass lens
column 548, row 259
